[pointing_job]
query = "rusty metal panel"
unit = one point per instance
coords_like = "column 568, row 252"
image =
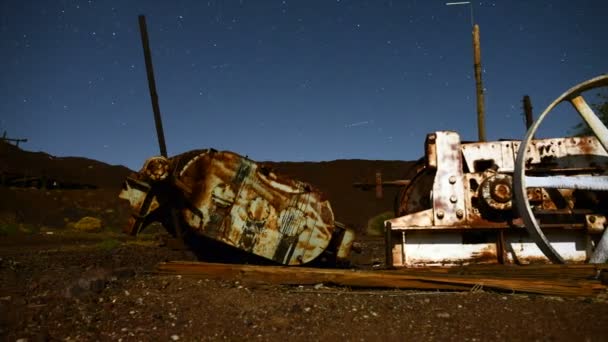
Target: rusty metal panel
column 567, row 153
column 254, row 210
column 557, row 153
column 499, row 153
column 346, row 245
column 448, row 190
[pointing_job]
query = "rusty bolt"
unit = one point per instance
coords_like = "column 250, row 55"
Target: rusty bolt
column 502, row 192
column 440, row 214
column 453, row 199
column 452, row 179
column 459, row 213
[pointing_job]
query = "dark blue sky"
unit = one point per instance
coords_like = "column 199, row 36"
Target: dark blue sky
column 284, row 80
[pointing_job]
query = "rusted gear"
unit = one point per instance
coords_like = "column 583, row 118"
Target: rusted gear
column 496, row 192
column 156, row 169
column 417, row 195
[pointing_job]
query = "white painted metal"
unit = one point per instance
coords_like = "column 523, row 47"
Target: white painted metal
column 425, row 248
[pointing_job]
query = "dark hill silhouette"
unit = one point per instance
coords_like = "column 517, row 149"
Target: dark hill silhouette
column 70, row 170
column 351, row 206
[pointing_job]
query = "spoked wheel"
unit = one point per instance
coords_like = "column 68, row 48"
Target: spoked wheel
column 582, row 182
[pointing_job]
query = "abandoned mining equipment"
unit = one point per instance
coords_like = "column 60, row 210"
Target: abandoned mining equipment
column 216, row 200
column 521, row 202
column 230, row 199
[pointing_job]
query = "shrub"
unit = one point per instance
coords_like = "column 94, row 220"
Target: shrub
column 9, row 229
column 375, row 225
column 108, row 244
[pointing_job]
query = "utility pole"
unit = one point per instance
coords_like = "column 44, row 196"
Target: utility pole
column 481, row 126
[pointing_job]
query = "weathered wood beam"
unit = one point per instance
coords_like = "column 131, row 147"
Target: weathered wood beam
column 402, row 279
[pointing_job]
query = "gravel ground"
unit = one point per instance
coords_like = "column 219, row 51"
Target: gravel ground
column 78, row 287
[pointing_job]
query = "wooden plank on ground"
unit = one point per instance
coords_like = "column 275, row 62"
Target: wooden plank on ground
column 431, row 280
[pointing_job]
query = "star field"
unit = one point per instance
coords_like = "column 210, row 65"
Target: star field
column 284, row 80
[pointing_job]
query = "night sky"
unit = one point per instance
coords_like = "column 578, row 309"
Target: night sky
column 307, row 80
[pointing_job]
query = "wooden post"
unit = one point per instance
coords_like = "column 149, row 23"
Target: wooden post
column 378, row 184
column 481, row 129
column 528, row 112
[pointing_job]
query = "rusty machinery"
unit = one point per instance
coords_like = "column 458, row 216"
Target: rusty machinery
column 530, row 201
column 228, row 198
column 214, row 200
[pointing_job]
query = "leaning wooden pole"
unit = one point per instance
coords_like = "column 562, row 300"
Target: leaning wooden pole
column 481, row 129
column 152, row 85
column 156, row 108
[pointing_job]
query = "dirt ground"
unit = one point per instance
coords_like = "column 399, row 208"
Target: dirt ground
column 57, row 283
column 76, row 286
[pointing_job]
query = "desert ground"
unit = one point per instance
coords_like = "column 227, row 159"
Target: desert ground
column 63, row 280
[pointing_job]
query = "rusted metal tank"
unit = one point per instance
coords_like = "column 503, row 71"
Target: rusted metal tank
column 231, row 199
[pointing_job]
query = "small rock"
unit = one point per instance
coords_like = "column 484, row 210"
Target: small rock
column 91, row 281
column 318, row 286
column 174, row 337
column 443, row 315
column 123, row 272
column 306, row 309
column 88, row 224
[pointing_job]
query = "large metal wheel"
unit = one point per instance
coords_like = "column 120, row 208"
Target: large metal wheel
column 585, row 182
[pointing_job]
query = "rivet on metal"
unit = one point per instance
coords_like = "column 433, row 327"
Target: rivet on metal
column 459, row 213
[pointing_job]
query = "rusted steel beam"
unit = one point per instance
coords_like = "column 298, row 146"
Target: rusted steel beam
column 417, row 279
column 152, row 85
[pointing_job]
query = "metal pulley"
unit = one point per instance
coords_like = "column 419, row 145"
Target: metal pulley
column 497, row 191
